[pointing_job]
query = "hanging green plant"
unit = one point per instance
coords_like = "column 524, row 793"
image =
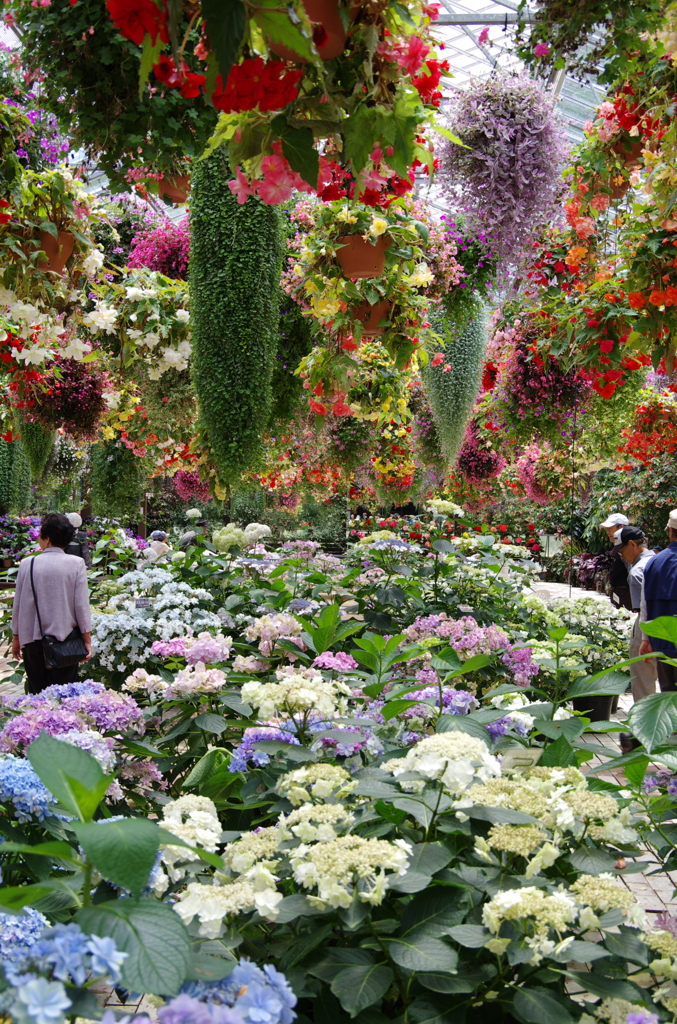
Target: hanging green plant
column 37, row 444
column 19, row 477
column 117, row 480
column 295, row 340
column 235, row 265
column 452, row 378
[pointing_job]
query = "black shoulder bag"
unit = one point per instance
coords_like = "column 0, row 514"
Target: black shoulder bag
column 59, row 653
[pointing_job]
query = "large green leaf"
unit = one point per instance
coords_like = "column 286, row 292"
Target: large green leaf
column 360, row 130
column 663, row 628
column 432, row 1011
column 467, row 979
column 499, row 815
column 462, row 723
column 71, row 774
column 654, row 718
column 431, row 913
column 472, row 936
column 559, row 754
column 610, row 988
column 591, row 860
column 611, row 683
column 204, row 768
column 569, row 727
column 211, row 723
column 123, row 851
column 152, row 933
column 225, row 26
column 422, row 952
column 14, row 897
column 361, row 986
column 274, row 21
column 540, row 1006
column 627, row 945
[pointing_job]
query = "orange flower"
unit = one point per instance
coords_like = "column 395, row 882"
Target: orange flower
column 637, row 300
column 657, row 298
column 670, row 296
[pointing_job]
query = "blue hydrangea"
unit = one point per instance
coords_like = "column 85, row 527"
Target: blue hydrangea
column 260, row 996
column 19, row 935
column 245, row 755
column 20, row 786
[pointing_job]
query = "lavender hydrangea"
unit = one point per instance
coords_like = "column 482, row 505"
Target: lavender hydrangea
column 338, row 661
column 19, row 934
column 505, row 179
column 246, row 751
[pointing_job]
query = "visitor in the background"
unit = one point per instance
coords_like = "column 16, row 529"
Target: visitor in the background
column 618, row 571
column 158, row 543
column 634, row 549
column 659, row 597
column 188, row 538
column 60, row 582
column 79, row 546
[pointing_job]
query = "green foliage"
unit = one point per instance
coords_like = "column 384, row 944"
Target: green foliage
column 117, row 480
column 236, row 254
column 20, row 478
column 5, row 475
column 295, row 340
column 11, row 123
column 90, row 82
column 37, row 444
column 452, row 393
column 645, row 494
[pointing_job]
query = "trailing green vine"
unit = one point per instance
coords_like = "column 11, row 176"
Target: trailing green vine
column 235, row 264
column 37, row 444
column 295, row 340
column 452, row 385
column 117, row 480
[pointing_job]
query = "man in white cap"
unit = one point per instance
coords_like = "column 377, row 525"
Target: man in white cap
column 618, row 570
column 79, row 545
column 659, row 597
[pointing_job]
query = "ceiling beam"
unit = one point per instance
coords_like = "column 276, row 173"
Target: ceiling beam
column 484, row 19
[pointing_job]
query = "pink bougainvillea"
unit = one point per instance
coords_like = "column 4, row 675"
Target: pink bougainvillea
column 189, row 487
column 165, row 249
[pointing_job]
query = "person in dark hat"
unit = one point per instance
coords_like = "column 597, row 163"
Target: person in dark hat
column 634, row 549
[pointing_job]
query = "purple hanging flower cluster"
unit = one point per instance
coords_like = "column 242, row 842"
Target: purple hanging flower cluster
column 505, row 179
column 73, row 399
column 189, row 487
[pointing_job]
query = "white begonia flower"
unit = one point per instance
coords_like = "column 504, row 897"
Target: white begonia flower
column 135, row 294
column 151, row 339
column 32, row 356
column 422, row 276
column 182, row 315
column 102, row 318
column 76, row 348
column 93, row 262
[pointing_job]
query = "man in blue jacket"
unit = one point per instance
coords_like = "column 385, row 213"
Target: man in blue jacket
column 659, row 597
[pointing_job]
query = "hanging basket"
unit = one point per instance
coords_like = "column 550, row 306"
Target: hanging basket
column 371, row 316
column 57, row 250
column 362, row 259
column 325, row 13
column 176, row 189
column 618, row 191
column 631, row 156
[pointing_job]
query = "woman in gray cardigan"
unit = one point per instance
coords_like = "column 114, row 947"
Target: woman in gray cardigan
column 60, row 582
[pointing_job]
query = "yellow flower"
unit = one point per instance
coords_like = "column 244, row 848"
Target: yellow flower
column 108, row 433
column 422, row 276
column 378, row 226
column 311, row 287
column 345, row 216
column 325, row 306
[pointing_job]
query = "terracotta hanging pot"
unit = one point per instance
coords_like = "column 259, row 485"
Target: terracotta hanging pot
column 371, row 316
column 618, row 191
column 57, row 250
column 362, row 259
column 325, row 12
column 176, row 188
column 632, row 155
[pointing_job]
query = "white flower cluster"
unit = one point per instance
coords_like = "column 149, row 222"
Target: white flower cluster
column 295, row 694
column 269, row 628
column 338, row 868
column 318, row 782
column 29, row 322
column 454, row 758
column 123, row 634
column 233, row 536
column 193, row 819
column 196, row 679
column 440, row 507
column 538, row 913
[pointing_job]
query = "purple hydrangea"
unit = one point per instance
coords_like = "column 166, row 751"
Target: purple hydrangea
column 521, row 664
column 246, row 752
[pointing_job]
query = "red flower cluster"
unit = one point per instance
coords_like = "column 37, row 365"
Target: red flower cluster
column 427, row 84
column 137, row 18
column 182, row 78
column 5, row 218
column 257, row 83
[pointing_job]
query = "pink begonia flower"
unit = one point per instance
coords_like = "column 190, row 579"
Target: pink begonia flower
column 438, row 358
column 599, row 202
column 432, row 11
column 377, row 155
column 541, row 49
column 585, row 226
column 484, row 36
column 414, row 56
column 240, row 187
column 272, row 191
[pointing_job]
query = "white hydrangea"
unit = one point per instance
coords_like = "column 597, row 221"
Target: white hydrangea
column 455, row 758
column 296, row 694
